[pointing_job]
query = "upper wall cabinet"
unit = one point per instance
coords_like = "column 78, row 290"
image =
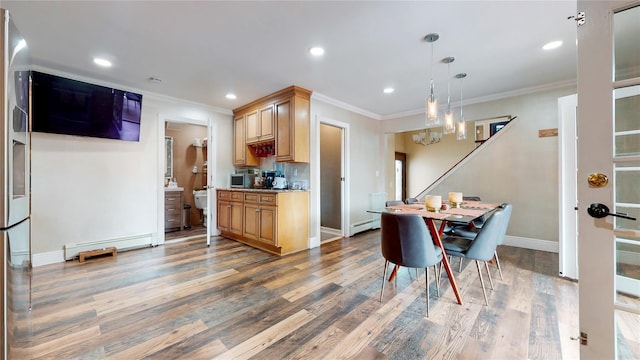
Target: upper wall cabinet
column 259, row 124
column 281, row 117
column 242, row 154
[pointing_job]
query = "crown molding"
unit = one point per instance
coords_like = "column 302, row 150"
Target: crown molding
column 343, row 105
column 492, row 97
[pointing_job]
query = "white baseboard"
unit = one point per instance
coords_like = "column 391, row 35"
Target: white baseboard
column 314, row 242
column 72, row 250
column 51, row 257
column 533, row 244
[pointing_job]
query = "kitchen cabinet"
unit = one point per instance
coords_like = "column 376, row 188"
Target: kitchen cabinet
column 230, row 212
column 259, row 125
column 242, row 153
column 292, row 122
column 274, row 221
column 281, row 118
column 172, row 210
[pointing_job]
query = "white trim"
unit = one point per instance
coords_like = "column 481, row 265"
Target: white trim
column 343, row 105
column 629, row 286
column 47, row 258
column 331, row 231
column 483, row 99
column 127, row 242
column 530, row 243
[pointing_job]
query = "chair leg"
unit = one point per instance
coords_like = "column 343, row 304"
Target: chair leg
column 416, row 274
column 484, row 292
column 486, row 265
column 426, row 277
column 498, row 263
column 384, row 277
column 460, row 270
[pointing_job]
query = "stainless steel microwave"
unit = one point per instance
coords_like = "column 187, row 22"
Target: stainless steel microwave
column 242, row 180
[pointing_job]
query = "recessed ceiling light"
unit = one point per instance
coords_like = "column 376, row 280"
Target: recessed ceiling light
column 102, row 62
column 230, row 96
column 388, row 90
column 552, row 45
column 316, row 51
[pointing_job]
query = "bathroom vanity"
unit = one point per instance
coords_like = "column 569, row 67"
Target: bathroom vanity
column 173, row 208
column 276, row 221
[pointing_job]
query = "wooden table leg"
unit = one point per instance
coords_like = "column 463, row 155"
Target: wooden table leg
column 435, row 234
column 394, row 272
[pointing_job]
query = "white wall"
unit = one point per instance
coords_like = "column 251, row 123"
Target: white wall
column 520, row 167
column 367, row 150
column 89, row 189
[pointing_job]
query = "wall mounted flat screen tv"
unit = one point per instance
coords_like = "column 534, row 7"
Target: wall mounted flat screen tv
column 71, row 107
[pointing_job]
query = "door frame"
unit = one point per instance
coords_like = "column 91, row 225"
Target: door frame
column 567, row 192
column 314, row 223
column 211, row 172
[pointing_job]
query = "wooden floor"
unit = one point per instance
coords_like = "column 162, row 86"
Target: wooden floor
column 230, row 301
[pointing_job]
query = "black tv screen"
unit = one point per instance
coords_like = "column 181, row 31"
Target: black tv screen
column 72, row 107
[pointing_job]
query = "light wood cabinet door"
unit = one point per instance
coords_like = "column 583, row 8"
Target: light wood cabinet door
column 252, row 127
column 251, row 221
column 292, row 133
column 238, row 141
column 267, row 227
column 224, row 215
column 236, row 218
column 267, row 129
column 284, row 150
column 242, row 154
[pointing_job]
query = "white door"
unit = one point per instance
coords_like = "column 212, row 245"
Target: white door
column 609, row 144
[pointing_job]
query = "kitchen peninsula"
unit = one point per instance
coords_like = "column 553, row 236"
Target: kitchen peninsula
column 276, row 221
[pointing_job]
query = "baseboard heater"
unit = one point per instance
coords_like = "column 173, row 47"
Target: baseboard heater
column 364, row 226
column 72, row 250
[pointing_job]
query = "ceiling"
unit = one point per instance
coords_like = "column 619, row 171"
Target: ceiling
column 203, row 50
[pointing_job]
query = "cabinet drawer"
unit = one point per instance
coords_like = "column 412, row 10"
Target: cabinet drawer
column 224, row 195
column 236, row 196
column 268, row 199
column 251, row 197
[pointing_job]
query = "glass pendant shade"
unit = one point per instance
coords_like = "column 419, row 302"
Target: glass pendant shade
column 461, row 129
column 449, row 122
column 461, row 125
column 432, row 106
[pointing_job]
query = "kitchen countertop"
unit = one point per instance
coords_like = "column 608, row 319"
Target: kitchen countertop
column 261, row 190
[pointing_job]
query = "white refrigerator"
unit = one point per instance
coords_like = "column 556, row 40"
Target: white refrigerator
column 15, row 165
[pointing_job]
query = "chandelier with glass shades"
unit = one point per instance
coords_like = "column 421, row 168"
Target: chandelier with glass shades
column 432, row 118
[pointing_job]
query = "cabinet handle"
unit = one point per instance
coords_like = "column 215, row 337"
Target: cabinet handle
column 257, row 210
column 229, row 206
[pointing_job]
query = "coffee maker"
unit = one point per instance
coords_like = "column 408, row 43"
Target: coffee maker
column 268, row 177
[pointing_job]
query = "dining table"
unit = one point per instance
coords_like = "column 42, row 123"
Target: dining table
column 465, row 213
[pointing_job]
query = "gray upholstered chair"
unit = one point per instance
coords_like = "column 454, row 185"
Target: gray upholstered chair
column 472, row 232
column 393, row 203
column 410, row 200
column 406, row 241
column 483, row 246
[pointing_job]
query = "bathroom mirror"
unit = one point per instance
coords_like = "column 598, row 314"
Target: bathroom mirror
column 168, row 157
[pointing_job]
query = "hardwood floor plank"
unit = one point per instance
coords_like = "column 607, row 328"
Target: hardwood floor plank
column 187, row 300
column 255, row 344
column 157, row 344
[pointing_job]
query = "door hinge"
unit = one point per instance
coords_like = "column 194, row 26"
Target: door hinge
column 583, row 338
column 580, row 18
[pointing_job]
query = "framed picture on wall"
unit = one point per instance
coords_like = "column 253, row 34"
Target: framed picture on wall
column 496, row 126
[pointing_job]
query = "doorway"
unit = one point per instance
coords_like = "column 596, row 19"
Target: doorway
column 186, row 165
column 401, row 176
column 331, row 182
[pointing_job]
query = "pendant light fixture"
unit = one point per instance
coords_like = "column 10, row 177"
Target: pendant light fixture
column 461, row 125
column 432, row 100
column 449, row 123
